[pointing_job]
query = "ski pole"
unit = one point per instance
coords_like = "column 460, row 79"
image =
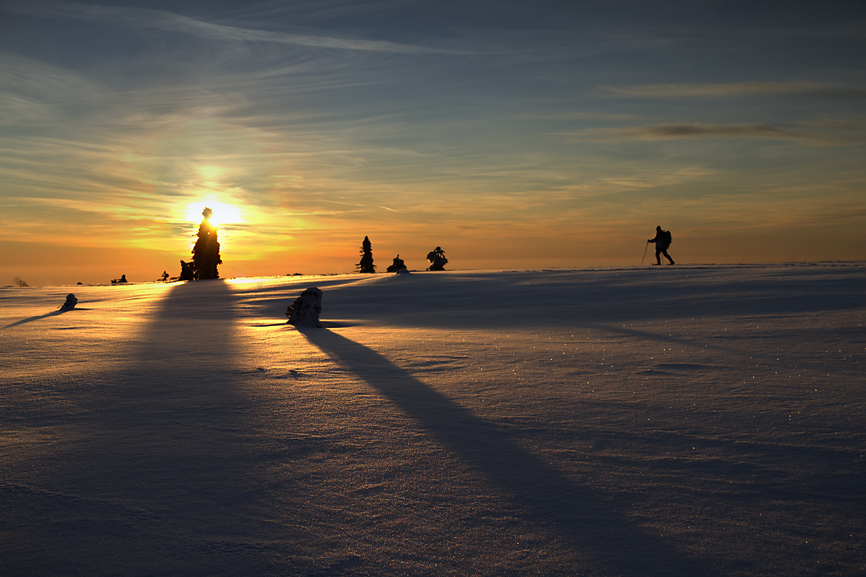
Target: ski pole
column 644, row 253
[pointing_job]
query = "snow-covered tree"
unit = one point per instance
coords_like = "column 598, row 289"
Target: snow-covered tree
column 366, row 264
column 398, row 265
column 71, row 301
column 186, row 271
column 305, row 310
column 206, row 251
column 437, row 259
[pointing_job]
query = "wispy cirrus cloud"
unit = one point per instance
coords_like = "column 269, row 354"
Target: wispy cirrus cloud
column 32, row 91
column 737, row 89
column 681, row 131
column 170, row 21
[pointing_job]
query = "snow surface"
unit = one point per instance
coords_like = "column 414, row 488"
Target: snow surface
column 654, row 421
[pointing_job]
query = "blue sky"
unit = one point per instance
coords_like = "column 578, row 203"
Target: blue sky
column 512, row 134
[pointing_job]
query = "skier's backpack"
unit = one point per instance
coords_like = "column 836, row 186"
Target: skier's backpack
column 668, row 237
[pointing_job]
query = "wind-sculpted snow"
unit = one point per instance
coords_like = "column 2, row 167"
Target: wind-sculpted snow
column 688, row 421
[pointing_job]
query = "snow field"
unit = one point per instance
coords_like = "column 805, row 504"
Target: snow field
column 688, row 421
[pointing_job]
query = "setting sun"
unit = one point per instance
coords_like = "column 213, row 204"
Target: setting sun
column 222, row 213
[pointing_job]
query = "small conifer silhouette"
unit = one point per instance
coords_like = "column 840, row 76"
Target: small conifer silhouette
column 366, row 264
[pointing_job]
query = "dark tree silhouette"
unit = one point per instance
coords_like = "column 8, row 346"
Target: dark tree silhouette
column 206, row 251
column 437, row 259
column 186, row 272
column 397, row 265
column 366, row 264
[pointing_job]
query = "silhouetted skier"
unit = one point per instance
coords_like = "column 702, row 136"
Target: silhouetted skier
column 662, row 241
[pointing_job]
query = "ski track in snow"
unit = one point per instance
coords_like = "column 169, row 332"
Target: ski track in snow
column 669, row 421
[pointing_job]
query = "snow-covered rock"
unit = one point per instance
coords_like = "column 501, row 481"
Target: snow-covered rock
column 71, row 301
column 305, row 311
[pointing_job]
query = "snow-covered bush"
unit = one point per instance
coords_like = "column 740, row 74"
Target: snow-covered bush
column 398, row 265
column 437, row 259
column 305, row 311
column 187, row 272
column 71, row 301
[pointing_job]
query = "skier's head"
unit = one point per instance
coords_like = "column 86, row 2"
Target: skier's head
column 658, row 228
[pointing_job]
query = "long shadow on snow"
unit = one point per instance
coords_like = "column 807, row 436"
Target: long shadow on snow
column 588, row 520
column 181, row 372
column 159, row 481
column 189, row 440
column 36, row 318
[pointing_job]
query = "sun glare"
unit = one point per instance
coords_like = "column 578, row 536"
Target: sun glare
column 222, row 213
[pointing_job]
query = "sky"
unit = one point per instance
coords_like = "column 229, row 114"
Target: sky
column 513, row 134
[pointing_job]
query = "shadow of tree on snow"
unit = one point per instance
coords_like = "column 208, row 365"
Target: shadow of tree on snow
column 36, row 318
column 589, row 521
column 157, row 480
